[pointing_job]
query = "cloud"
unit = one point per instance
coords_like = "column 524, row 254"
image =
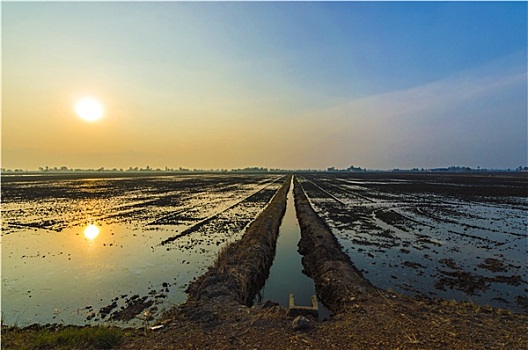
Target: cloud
column 477, row 117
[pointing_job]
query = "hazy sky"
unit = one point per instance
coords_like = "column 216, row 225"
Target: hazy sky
column 279, row 85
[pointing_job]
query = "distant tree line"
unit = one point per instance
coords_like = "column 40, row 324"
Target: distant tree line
column 460, row 169
column 352, row 168
column 451, row 169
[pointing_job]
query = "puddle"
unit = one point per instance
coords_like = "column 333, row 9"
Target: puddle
column 286, row 274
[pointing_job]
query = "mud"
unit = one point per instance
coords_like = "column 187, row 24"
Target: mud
column 264, row 194
column 438, row 235
column 337, row 282
column 56, row 202
column 241, row 268
column 402, row 230
column 364, row 316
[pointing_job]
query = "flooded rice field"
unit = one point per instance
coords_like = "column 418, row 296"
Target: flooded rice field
column 78, row 249
column 108, row 248
column 458, row 237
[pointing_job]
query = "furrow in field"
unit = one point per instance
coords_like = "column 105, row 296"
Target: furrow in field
column 201, row 223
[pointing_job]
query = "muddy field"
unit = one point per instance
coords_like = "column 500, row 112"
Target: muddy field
column 424, row 231
column 451, row 236
column 91, row 249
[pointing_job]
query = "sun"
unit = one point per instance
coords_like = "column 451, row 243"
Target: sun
column 89, row 109
column 91, row 231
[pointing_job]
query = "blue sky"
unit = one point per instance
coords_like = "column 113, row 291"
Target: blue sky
column 287, row 84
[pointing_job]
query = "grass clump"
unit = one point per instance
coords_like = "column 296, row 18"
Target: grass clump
column 62, row 337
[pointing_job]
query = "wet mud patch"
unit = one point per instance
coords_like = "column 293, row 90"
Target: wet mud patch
column 262, row 196
column 134, row 307
column 449, row 262
column 494, row 265
column 413, row 265
column 462, row 280
column 125, row 308
column 471, row 283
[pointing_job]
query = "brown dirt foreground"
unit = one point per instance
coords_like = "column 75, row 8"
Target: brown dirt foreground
column 365, row 317
column 397, row 323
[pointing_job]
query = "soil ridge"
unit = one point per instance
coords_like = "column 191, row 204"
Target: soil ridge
column 337, row 281
column 242, row 267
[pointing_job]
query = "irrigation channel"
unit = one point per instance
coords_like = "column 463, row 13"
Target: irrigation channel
column 286, row 274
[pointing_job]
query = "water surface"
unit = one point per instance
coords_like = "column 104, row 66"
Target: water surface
column 286, row 274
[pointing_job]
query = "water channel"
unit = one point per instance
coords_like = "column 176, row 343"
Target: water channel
column 286, row 274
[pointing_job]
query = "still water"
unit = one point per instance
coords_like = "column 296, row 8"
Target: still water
column 67, row 276
column 75, row 248
column 286, row 275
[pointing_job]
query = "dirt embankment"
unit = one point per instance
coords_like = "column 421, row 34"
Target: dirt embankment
column 241, row 268
column 337, row 282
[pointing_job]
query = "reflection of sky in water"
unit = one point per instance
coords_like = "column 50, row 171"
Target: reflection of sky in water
column 44, row 271
column 286, row 274
column 467, row 232
column 91, row 231
column 107, row 250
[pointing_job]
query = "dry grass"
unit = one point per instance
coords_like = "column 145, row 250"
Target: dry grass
column 63, row 337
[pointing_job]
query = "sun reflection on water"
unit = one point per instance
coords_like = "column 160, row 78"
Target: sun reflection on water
column 91, row 231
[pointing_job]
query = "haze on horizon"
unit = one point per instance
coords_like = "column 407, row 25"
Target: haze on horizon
column 278, row 85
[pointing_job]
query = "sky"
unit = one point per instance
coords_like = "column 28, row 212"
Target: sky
column 221, row 85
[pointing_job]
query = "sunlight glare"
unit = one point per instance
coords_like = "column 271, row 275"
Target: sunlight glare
column 91, row 231
column 89, row 109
